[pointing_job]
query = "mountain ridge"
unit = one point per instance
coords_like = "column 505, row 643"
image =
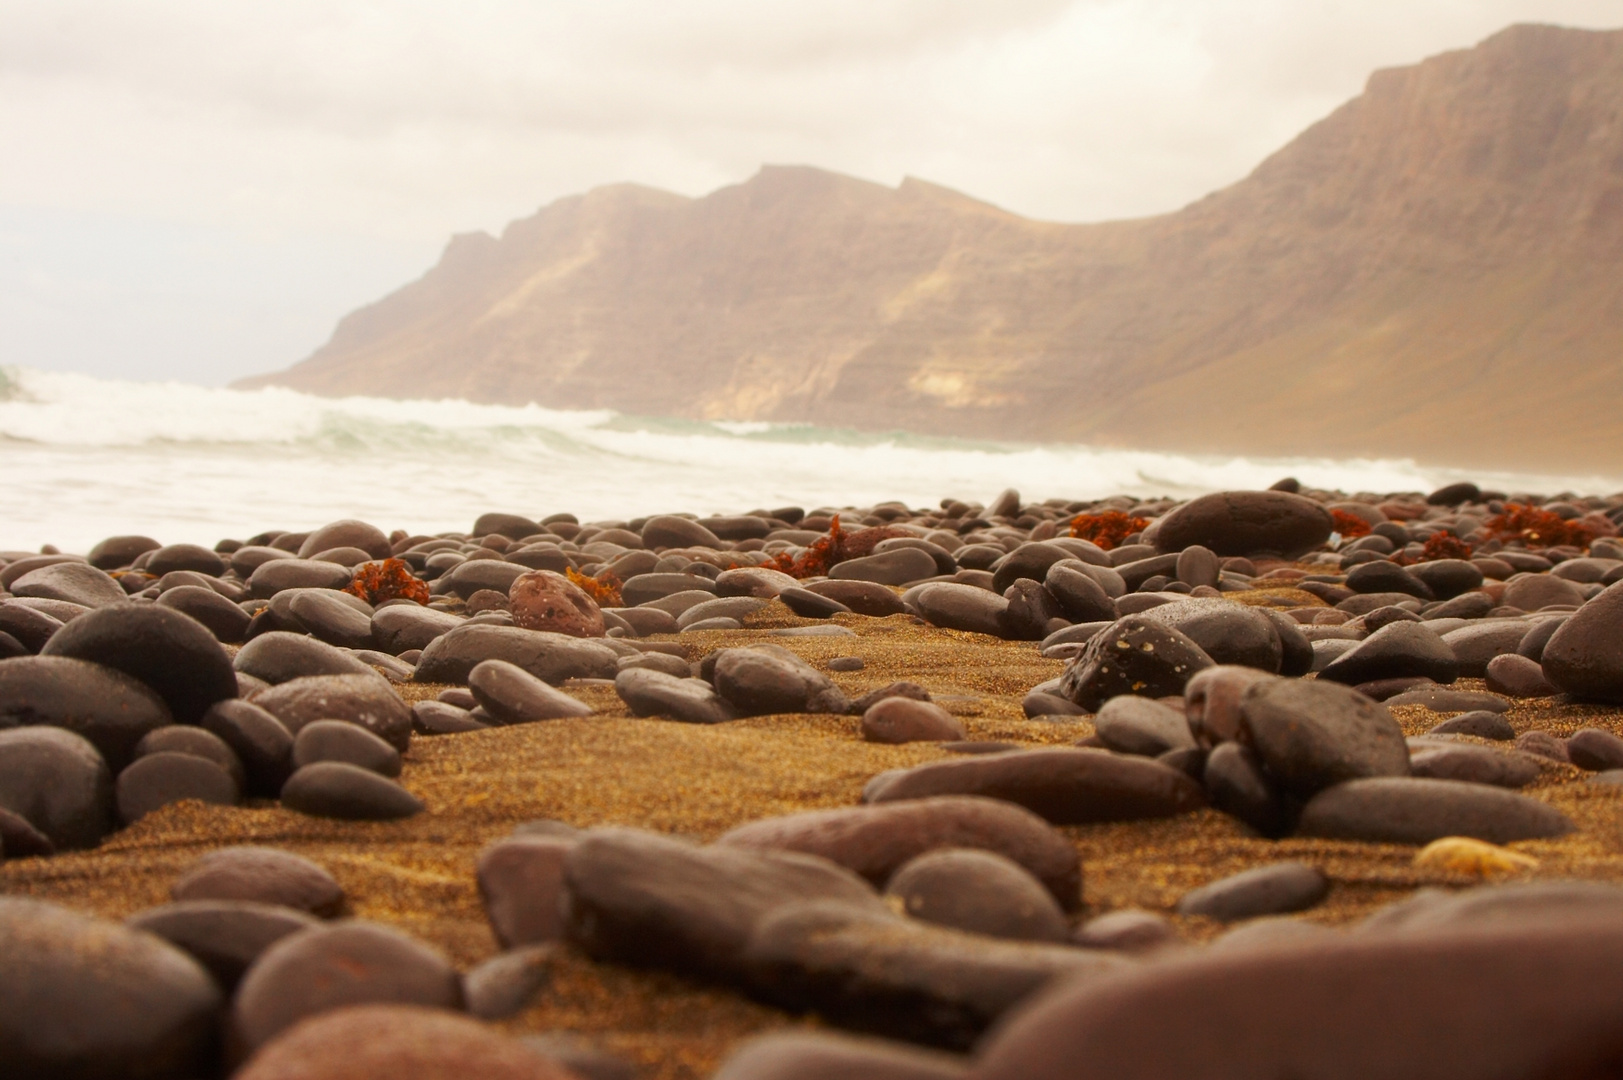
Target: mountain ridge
column 1434, row 270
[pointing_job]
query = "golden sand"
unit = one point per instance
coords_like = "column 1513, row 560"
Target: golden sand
column 698, row 782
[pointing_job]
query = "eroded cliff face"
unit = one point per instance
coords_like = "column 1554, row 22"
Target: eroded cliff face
column 1435, row 270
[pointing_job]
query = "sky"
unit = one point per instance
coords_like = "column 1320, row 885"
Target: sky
column 193, row 190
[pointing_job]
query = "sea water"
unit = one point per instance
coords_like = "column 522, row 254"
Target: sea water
column 83, row 458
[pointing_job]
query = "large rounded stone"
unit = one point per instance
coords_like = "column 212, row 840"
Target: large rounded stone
column 666, row 531
column 656, row 693
column 173, row 654
column 898, row 566
column 337, row 740
column 110, row 709
column 325, row 613
column 366, row 700
column 1031, row 560
column 193, row 557
column 281, row 656
column 1228, row 633
column 58, row 783
column 118, row 551
column 1530, row 592
column 551, row 658
column 1079, row 594
column 398, row 1042
column 1244, row 522
column 765, row 679
column 156, row 780
column 89, row 999
column 902, row 720
column 513, row 696
column 543, row 600
column 1135, row 725
column 862, row 597
column 1132, row 656
column 962, row 607
column 224, row 619
column 875, row 841
column 1311, row 735
column 279, row 575
column 260, row 875
column 1585, row 656
column 512, row 526
column 1064, row 786
column 399, row 628
column 30, row 626
column 1396, row 651
column 347, row 533
column 328, row 967
column 1417, row 811
column 225, row 936
column 74, row 582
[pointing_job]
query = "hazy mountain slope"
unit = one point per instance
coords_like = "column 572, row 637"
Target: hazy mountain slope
column 1434, row 270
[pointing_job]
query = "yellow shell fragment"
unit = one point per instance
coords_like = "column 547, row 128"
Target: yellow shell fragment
column 1463, row 855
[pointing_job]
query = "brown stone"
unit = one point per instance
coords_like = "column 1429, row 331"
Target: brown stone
column 543, row 600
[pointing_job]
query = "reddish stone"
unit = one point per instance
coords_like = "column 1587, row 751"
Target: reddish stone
column 543, row 600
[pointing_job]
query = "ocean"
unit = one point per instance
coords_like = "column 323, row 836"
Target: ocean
column 82, row 458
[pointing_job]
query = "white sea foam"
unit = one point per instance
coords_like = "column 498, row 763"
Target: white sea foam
column 82, row 458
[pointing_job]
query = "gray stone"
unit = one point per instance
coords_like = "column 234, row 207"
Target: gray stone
column 1135, row 725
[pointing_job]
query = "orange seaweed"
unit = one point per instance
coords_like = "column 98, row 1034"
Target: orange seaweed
column 1444, row 546
column 821, row 554
column 1538, row 528
column 604, row 588
column 1350, row 526
column 1106, row 530
column 390, row 579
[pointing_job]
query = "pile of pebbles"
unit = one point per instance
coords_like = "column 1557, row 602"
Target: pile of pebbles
column 141, row 675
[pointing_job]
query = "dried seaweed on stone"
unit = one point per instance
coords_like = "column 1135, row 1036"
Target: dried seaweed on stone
column 390, row 579
column 604, row 588
column 1536, row 527
column 1106, row 530
column 1349, row 525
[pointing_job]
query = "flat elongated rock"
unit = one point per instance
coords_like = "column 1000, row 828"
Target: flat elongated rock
column 277, row 575
column 1418, row 811
column 75, row 582
column 1475, row 764
column 640, row 898
column 1537, row 1000
column 399, row 628
column 899, row 720
column 862, row 597
column 1064, row 786
column 552, row 658
column 58, row 783
column 874, row 841
column 1132, row 656
column 962, row 607
column 338, row 789
column 1476, row 645
column 514, row 696
column 767, row 679
column 503, row 985
column 1311, row 735
column 107, row 707
column 225, row 936
column 224, row 619
column 657, row 693
column 338, row 740
column 331, row 966
column 898, row 566
column 873, row 971
column 175, row 655
column 1265, row 890
column 260, row 875
column 1243, row 522
column 87, row 998
column 366, row 700
column 280, row 656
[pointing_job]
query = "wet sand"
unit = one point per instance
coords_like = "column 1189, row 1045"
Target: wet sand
column 699, row 782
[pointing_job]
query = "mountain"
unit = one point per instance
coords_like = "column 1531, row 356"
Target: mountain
column 1435, row 271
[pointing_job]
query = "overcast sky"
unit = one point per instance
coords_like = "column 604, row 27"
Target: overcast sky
column 197, row 190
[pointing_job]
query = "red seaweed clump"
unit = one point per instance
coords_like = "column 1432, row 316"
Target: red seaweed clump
column 821, row 554
column 390, row 579
column 1106, row 530
column 1538, row 528
column 1350, row 526
column 1444, row 545
column 604, row 588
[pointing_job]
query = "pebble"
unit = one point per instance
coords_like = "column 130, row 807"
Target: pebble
column 225, row 936
column 669, row 531
column 646, row 621
column 645, row 899
column 1398, row 650
column 398, row 628
column 1228, row 633
column 504, row 985
column 1439, row 699
column 1534, row 591
column 862, row 597
column 1381, row 576
column 260, row 875
column 962, row 607
column 544, row 600
column 727, row 607
column 1482, row 723
column 980, row 892
column 224, row 619
column 1312, row 735
column 654, row 693
column 648, row 588
column 31, row 627
column 19, row 839
column 339, row 740
column 58, row 783
column 521, row 881
column 899, row 566
column 1064, row 786
column 277, row 575
column 874, row 841
column 1212, row 701
column 1516, row 676
column 513, row 696
column 1244, row 523
column 87, row 998
column 1538, row 636
column 814, row 1055
column 366, row 700
column 1132, row 656
column 765, row 679
column 899, row 720
column 755, row 581
column 1237, row 784
column 156, row 780
column 1135, row 725
column 119, row 551
column 73, row 582
column 1472, row 858
column 1080, row 596
column 330, row 617
column 1477, row 764
column 1543, row 744
column 1477, row 645
column 440, row 718
column 347, row 533
column 1585, row 656
column 1417, row 811
column 174, row 655
column 280, row 656
column 552, row 658
column 847, row 663
column 338, row 789
column 181, row 739
column 260, row 742
column 1594, row 749
column 331, row 966
column 1264, row 890
column 1129, row 930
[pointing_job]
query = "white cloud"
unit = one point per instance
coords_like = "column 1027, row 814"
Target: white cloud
column 372, row 130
